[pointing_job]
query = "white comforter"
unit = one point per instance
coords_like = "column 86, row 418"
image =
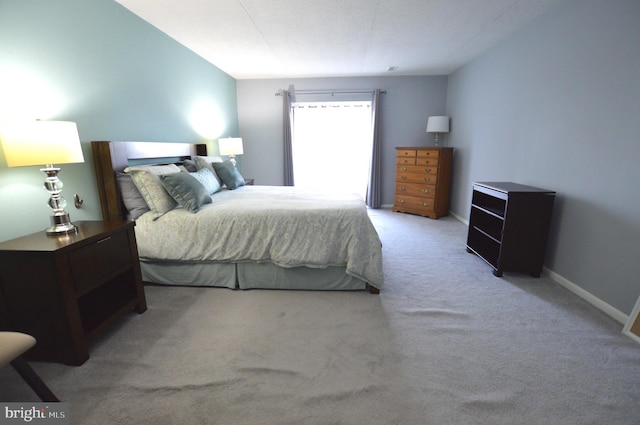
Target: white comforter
column 286, row 226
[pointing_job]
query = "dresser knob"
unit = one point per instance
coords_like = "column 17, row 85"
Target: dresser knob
column 402, row 188
column 427, row 179
column 428, row 170
column 402, row 201
column 426, row 190
column 403, row 177
column 404, row 168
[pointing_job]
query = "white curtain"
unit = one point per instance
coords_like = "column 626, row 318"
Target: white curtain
column 331, row 145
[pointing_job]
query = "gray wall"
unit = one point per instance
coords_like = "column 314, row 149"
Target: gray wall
column 558, row 106
column 404, row 111
column 116, row 76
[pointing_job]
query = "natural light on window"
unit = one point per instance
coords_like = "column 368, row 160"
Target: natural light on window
column 331, row 145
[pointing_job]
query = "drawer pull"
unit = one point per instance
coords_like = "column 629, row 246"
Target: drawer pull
column 403, row 177
column 104, row 240
column 426, row 190
column 424, row 204
column 404, row 168
column 428, row 170
column 402, row 201
column 402, row 188
column 427, row 179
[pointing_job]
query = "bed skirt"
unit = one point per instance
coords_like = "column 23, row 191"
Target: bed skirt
column 249, row 276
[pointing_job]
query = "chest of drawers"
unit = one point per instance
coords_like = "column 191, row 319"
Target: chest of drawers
column 423, row 181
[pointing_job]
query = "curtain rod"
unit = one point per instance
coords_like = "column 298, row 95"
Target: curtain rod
column 331, row 92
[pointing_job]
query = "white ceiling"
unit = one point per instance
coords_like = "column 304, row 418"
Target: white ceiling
column 255, row 39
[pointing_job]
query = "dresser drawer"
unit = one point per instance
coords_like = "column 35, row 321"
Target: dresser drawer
column 414, row 204
column 416, row 178
column 428, row 153
column 415, row 189
column 418, row 169
column 406, row 160
column 406, row 153
column 427, row 161
column 95, row 263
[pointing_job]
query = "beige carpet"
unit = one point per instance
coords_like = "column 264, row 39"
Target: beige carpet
column 445, row 342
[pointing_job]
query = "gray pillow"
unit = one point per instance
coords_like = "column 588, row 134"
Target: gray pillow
column 131, row 196
column 186, row 190
column 190, row 165
column 206, row 178
column 147, row 180
column 229, row 174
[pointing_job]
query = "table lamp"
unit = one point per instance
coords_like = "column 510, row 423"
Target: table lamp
column 231, row 146
column 45, row 143
column 437, row 125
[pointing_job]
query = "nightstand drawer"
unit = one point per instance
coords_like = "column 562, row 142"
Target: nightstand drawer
column 95, row 263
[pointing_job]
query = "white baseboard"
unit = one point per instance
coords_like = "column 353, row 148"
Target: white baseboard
column 588, row 297
column 577, row 290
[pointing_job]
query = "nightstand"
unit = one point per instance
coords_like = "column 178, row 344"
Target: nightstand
column 66, row 289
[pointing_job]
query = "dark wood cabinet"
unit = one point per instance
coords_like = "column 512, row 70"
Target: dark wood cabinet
column 65, row 289
column 509, row 225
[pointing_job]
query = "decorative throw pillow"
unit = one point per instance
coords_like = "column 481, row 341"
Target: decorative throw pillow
column 131, row 196
column 186, row 190
column 229, row 174
column 206, row 162
column 208, row 180
column 190, row 165
column 147, row 180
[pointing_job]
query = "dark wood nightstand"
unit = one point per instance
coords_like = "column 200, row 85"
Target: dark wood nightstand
column 65, row 289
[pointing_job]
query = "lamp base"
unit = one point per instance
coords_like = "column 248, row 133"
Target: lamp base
column 61, row 225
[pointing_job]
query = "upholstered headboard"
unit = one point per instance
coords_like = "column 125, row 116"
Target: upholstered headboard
column 111, row 157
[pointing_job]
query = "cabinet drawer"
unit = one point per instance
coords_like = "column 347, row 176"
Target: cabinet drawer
column 417, row 169
column 412, row 189
column 414, row 203
column 409, row 160
column 416, row 178
column 406, row 153
column 427, row 161
column 429, row 153
column 93, row 264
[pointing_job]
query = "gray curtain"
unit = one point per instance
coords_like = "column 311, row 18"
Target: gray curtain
column 286, row 132
column 373, row 190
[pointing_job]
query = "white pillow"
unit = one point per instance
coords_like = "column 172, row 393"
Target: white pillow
column 147, row 180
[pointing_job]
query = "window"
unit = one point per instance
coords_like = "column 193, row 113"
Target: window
column 331, row 145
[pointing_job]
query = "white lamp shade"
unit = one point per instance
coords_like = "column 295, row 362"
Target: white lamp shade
column 40, row 143
column 230, row 146
column 438, row 125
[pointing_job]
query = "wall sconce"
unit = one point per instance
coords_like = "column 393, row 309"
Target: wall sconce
column 231, row 146
column 45, row 143
column 437, row 125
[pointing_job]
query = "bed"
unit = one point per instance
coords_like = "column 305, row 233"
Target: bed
column 251, row 237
